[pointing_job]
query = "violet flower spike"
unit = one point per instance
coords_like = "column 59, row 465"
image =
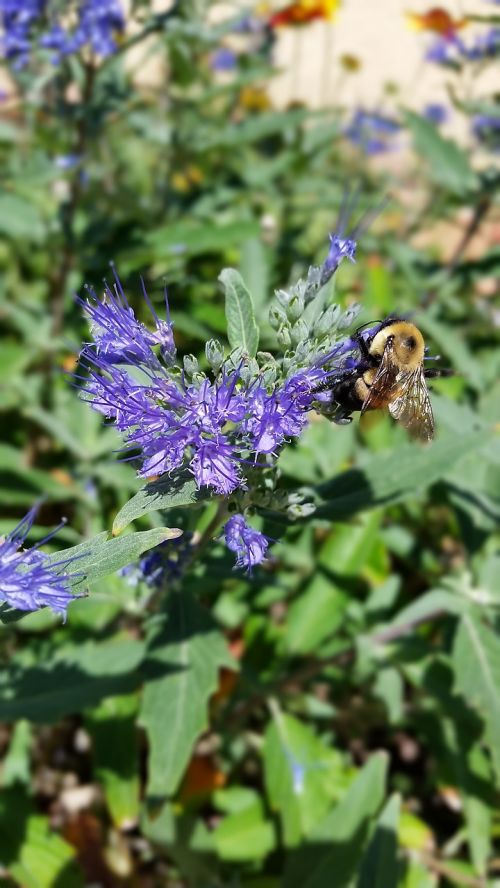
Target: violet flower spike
column 29, row 579
column 212, row 427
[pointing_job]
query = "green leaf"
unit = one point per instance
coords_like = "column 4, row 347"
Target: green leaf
column 301, row 775
column 77, row 676
column 315, row 615
column 34, row 856
column 20, row 219
column 393, row 477
column 174, row 706
column 254, row 265
column 244, row 834
column 473, row 776
column 379, row 867
column 331, row 854
column 102, row 555
column 449, row 165
column 16, row 763
column 115, row 753
column 476, row 659
column 242, row 330
column 167, row 493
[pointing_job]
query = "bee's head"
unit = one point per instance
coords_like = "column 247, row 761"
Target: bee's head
column 407, row 343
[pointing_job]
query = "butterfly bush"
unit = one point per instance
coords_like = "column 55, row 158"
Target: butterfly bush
column 62, row 28
column 30, row 579
column 226, row 426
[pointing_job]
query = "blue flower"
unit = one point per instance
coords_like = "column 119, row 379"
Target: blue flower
column 340, row 248
column 249, row 545
column 486, row 128
column 223, row 59
column 436, row 113
column 25, row 24
column 17, row 20
column 29, row 580
column 452, row 53
column 98, row 22
column 371, row 131
column 212, row 426
column 119, row 337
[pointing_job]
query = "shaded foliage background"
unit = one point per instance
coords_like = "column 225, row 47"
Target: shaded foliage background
column 334, row 719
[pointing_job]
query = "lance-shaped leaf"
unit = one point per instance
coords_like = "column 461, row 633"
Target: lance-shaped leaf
column 167, row 493
column 476, row 659
column 379, row 867
column 242, row 329
column 174, row 707
column 392, row 477
column 449, row 165
column 330, row 855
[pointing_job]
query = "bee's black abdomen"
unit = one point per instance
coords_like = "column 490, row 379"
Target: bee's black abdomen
column 345, row 395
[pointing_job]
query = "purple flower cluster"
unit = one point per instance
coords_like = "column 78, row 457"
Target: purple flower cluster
column 17, row 19
column 248, row 544
column 453, row 53
column 371, row 131
column 213, row 426
column 87, row 23
column 28, row 579
column 486, row 128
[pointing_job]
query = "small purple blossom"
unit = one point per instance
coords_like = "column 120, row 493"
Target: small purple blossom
column 444, row 51
column 340, row 248
column 436, row 113
column 223, row 59
column 486, row 129
column 372, row 131
column 118, row 336
column 249, row 545
column 162, row 565
column 66, row 161
column 484, row 46
column 29, row 580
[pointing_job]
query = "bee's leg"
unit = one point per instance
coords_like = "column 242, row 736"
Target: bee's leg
column 329, row 384
column 342, row 419
column 363, row 347
column 435, row 372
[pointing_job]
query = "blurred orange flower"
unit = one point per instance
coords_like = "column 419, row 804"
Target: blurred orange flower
column 437, row 20
column 202, row 777
column 303, row 11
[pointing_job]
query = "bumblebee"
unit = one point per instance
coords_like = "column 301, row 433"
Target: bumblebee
column 390, row 373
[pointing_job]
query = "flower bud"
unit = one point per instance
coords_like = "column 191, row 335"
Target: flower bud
column 283, row 336
column 283, row 298
column 295, row 307
column 214, row 353
column 327, row 321
column 301, row 510
column 299, row 331
column 277, row 317
column 190, row 365
column 347, row 318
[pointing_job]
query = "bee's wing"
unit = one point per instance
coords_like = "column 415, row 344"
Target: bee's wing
column 385, row 387
column 413, row 406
